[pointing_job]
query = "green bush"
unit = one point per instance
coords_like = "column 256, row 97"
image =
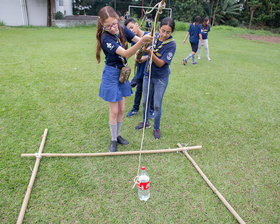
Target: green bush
column 58, row 15
column 181, row 26
column 232, row 22
column 276, row 30
column 2, row 23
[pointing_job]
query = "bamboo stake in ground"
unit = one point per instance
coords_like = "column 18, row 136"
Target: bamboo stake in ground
column 32, row 179
column 233, row 212
column 111, row 153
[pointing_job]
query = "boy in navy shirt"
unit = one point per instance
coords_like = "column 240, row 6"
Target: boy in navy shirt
column 133, row 26
column 195, row 34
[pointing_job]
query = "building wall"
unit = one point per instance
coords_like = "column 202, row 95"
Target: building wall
column 64, row 6
column 14, row 13
column 37, row 12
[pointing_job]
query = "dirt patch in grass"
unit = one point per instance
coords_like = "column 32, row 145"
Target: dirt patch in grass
column 269, row 39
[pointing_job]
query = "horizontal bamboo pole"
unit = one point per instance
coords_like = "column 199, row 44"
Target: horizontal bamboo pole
column 214, row 189
column 112, row 153
column 32, row 179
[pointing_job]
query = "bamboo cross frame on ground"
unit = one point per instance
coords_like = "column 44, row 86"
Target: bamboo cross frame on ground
column 110, row 153
column 39, row 155
column 233, row 212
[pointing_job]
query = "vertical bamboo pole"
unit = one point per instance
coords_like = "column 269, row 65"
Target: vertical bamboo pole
column 233, row 212
column 32, row 179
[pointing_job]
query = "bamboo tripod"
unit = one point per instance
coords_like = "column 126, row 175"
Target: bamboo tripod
column 39, row 155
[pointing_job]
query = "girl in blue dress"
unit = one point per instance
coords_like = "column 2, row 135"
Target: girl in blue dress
column 162, row 55
column 195, row 34
column 112, row 38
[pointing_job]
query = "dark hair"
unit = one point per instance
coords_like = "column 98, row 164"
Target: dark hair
column 130, row 20
column 197, row 20
column 205, row 20
column 169, row 22
column 105, row 13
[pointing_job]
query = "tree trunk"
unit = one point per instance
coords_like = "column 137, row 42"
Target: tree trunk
column 251, row 16
column 211, row 10
column 191, row 12
column 213, row 21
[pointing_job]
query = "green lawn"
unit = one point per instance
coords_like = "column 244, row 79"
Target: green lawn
column 230, row 106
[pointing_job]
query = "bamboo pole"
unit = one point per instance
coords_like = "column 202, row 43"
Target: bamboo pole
column 111, row 153
column 32, row 179
column 233, row 212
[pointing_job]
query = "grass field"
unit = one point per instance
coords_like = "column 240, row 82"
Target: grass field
column 231, row 106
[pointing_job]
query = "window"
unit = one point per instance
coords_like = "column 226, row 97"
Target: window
column 60, row 2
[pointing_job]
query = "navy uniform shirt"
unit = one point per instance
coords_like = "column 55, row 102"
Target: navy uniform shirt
column 166, row 51
column 109, row 45
column 204, row 31
column 194, row 33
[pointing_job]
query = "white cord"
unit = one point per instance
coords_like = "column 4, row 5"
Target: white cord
column 38, row 155
column 146, row 109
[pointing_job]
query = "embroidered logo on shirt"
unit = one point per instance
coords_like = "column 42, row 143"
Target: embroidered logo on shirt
column 110, row 46
column 169, row 56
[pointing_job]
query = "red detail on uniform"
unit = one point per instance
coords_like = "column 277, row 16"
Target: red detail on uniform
column 144, row 186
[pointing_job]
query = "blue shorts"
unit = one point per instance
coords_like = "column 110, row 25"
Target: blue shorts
column 111, row 89
column 194, row 46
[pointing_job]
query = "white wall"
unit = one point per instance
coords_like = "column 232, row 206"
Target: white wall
column 37, row 12
column 66, row 9
column 13, row 12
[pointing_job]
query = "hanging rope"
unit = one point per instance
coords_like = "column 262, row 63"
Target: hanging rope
column 160, row 5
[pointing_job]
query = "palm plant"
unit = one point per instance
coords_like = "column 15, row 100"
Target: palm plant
column 226, row 10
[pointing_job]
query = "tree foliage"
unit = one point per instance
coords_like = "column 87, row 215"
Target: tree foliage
column 229, row 12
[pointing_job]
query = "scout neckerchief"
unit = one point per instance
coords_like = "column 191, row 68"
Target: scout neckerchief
column 205, row 28
column 156, row 49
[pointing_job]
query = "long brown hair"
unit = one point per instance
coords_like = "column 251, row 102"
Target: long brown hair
column 204, row 24
column 104, row 14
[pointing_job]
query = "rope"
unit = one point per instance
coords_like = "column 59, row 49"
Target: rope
column 146, row 109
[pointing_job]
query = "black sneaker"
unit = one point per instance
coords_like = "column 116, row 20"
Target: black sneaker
column 141, row 126
column 157, row 134
column 132, row 113
column 113, row 146
column 122, row 141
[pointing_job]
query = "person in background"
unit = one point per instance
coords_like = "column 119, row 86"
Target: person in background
column 195, row 34
column 161, row 56
column 133, row 26
column 112, row 38
column 204, row 32
column 149, row 21
column 126, row 16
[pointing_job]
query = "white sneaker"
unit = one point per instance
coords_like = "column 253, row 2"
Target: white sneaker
column 209, row 59
column 198, row 57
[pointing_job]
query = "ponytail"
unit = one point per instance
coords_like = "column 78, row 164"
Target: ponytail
column 98, row 37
